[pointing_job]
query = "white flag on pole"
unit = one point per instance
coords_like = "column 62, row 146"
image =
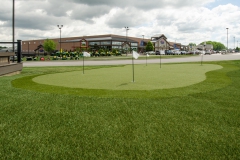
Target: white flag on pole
column 86, row 54
column 135, row 55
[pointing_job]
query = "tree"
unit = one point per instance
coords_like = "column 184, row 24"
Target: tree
column 217, row 46
column 2, row 47
column 237, row 49
column 149, row 46
column 192, row 45
column 49, row 45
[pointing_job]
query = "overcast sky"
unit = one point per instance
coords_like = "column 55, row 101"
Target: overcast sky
column 183, row 21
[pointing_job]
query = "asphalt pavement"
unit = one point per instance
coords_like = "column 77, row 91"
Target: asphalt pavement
column 198, row 58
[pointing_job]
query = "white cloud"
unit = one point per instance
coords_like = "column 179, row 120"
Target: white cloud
column 182, row 20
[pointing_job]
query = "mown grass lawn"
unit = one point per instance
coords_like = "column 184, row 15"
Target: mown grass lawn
column 200, row 121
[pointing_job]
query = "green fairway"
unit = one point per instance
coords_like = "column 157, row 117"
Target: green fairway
column 198, row 119
column 120, row 78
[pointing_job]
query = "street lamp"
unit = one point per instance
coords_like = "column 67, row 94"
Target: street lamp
column 60, row 27
column 13, row 26
column 126, row 38
column 227, row 39
column 234, row 42
column 28, row 48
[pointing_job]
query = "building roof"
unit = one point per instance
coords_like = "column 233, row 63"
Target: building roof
column 159, row 36
column 105, row 37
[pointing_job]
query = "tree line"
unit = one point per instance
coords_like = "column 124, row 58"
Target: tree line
column 217, row 46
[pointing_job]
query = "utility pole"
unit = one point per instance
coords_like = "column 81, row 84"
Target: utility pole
column 13, row 26
column 60, row 27
column 227, row 39
column 126, row 40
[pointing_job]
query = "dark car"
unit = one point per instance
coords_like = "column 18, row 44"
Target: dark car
column 157, row 53
column 168, row 52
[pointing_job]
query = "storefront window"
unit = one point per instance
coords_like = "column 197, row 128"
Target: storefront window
column 116, row 43
column 83, row 43
column 116, row 46
column 94, row 43
column 134, row 44
column 106, row 43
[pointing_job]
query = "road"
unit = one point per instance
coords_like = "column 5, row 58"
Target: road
column 213, row 57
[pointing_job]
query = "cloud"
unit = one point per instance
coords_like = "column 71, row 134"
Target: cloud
column 130, row 17
column 89, row 12
column 181, row 20
column 144, row 4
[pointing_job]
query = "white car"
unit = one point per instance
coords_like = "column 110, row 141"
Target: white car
column 150, row 52
column 177, row 52
column 208, row 52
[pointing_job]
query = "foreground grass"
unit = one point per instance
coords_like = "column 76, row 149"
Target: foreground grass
column 195, row 122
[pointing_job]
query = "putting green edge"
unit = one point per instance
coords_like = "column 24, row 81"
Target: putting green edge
column 214, row 80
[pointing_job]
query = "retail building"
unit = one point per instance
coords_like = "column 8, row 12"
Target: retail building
column 96, row 42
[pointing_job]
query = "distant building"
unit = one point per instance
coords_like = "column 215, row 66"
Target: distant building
column 202, row 47
column 160, row 43
column 108, row 41
column 96, row 42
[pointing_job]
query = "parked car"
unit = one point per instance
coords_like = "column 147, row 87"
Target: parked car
column 183, row 52
column 223, row 51
column 157, row 53
column 168, row 52
column 176, row 52
column 150, row 52
column 209, row 52
column 11, row 58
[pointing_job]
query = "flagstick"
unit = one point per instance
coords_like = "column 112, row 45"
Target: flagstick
column 83, row 63
column 160, row 59
column 146, row 59
column 203, row 52
column 133, row 67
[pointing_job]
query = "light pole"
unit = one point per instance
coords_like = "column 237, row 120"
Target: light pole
column 13, row 26
column 227, row 39
column 203, row 52
column 60, row 27
column 234, row 42
column 126, row 39
column 143, row 49
column 28, row 48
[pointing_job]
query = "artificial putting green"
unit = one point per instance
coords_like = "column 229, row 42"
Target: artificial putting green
column 148, row 77
column 200, row 121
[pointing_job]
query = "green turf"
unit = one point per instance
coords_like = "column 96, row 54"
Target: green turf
column 121, row 78
column 218, row 78
column 200, row 121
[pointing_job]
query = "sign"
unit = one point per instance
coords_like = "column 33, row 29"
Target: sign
column 175, row 46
